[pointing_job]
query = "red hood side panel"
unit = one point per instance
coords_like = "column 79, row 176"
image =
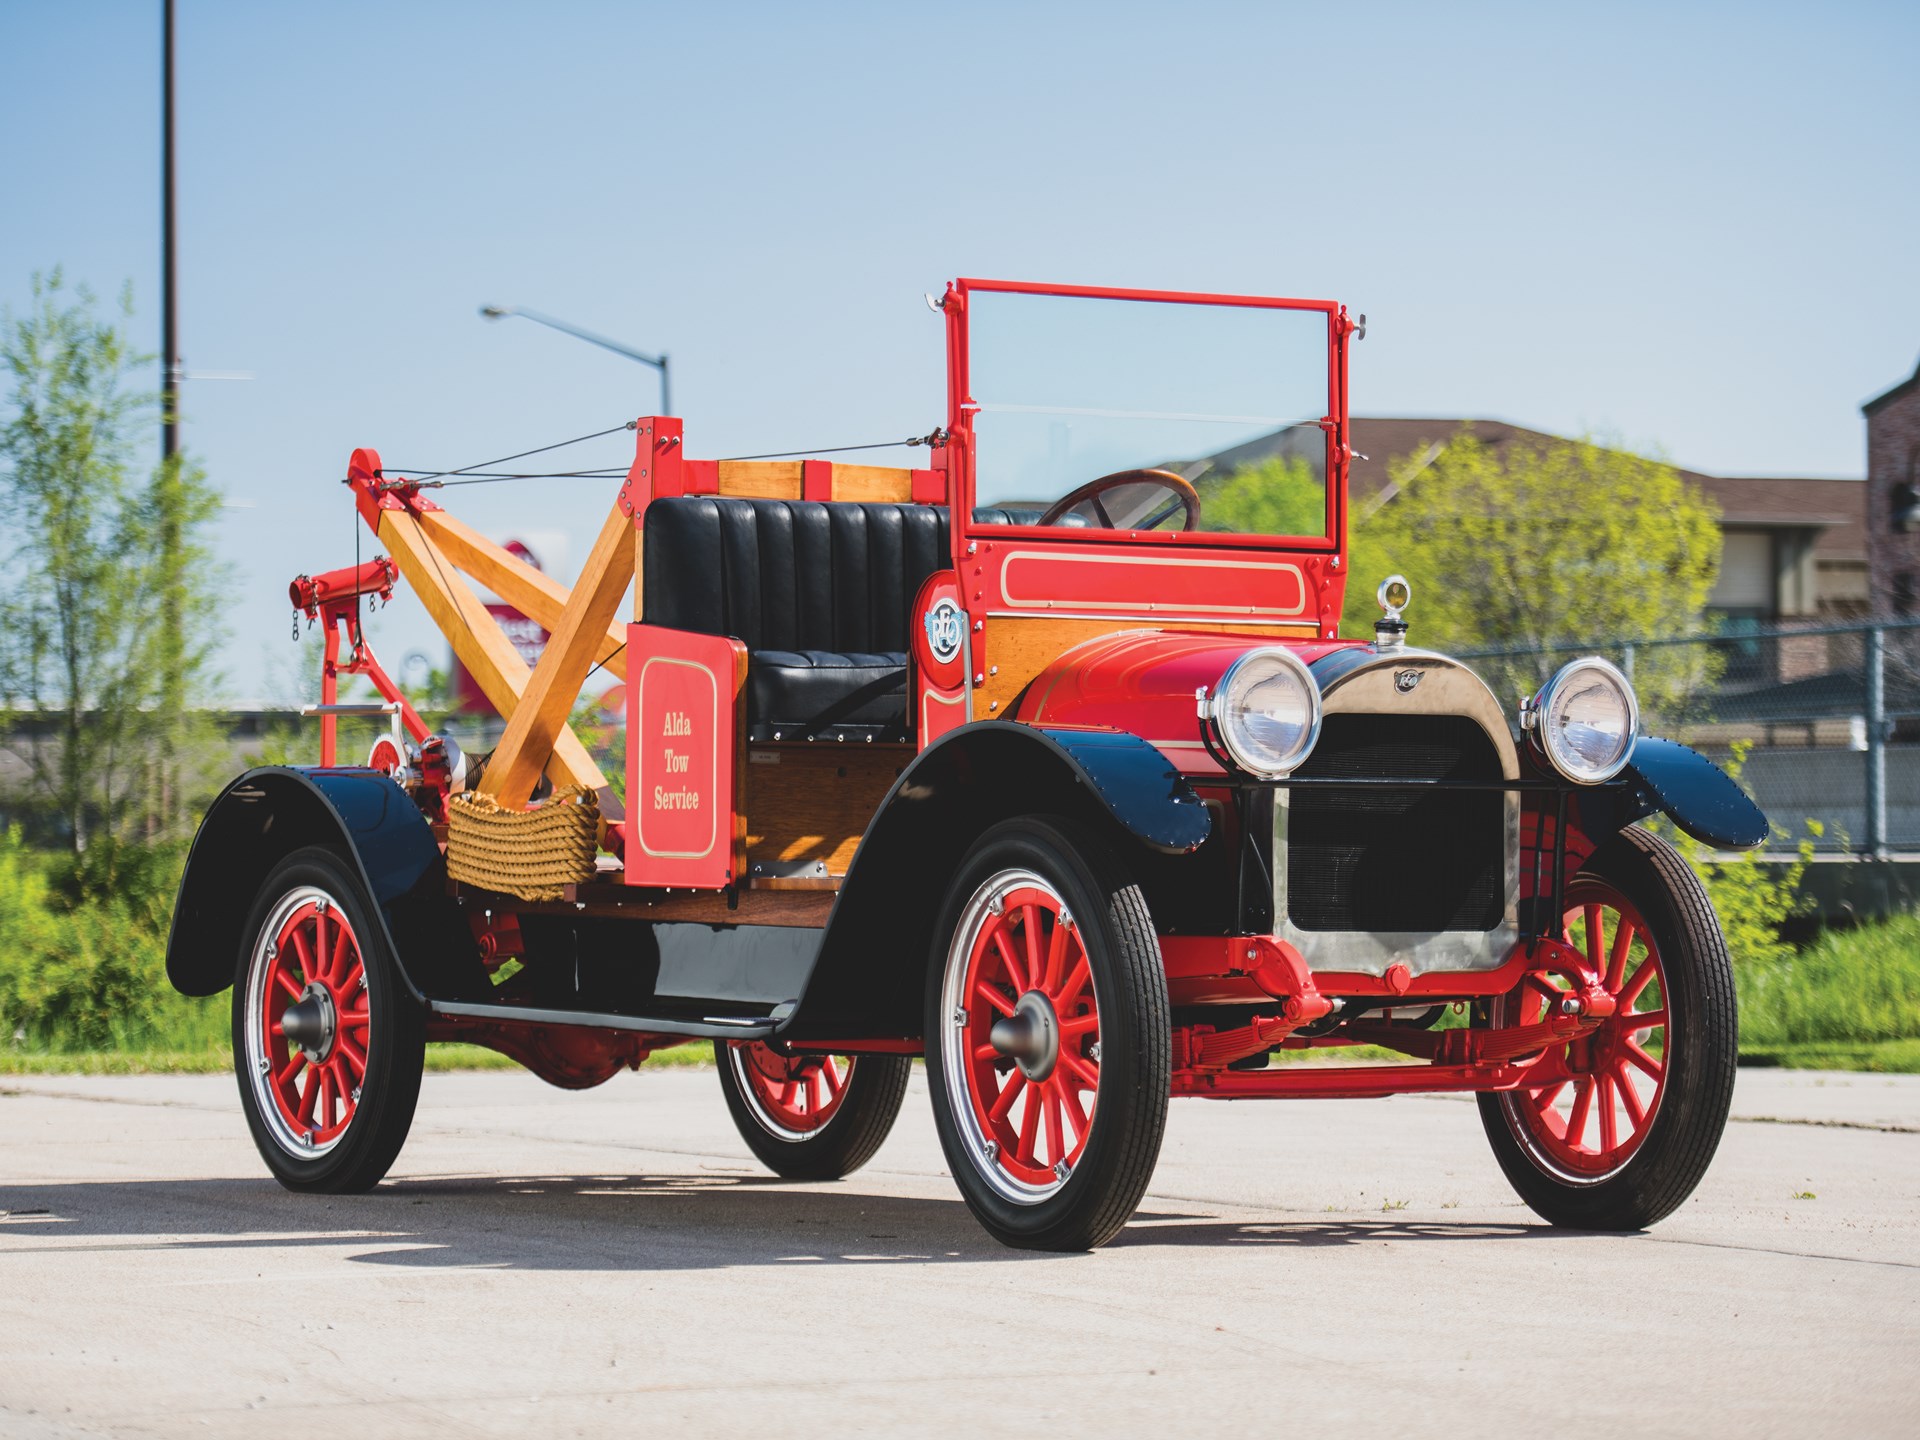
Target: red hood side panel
column 1143, row 682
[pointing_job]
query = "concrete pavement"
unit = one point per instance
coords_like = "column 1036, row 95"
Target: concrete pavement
column 544, row 1263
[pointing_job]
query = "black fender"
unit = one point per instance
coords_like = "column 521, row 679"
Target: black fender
column 266, row 815
column 868, row 974
column 1668, row 778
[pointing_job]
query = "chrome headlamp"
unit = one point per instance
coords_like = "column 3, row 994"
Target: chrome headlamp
column 1584, row 720
column 1266, row 709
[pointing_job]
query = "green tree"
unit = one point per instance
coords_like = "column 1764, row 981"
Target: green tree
column 1539, row 545
column 97, row 558
column 1276, row 496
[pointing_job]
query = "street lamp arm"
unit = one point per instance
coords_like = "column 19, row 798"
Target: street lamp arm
column 500, row 312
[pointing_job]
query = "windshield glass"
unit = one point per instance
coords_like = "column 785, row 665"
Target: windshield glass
column 1221, row 403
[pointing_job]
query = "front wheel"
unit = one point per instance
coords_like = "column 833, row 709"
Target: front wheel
column 1625, row 1128
column 1049, row 1047
column 810, row 1117
column 328, row 1044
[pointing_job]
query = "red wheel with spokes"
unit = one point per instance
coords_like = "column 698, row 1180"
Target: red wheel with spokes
column 1625, row 1118
column 1048, row 1036
column 810, row 1117
column 1028, row 1032
column 312, row 1019
column 327, row 1043
column 794, row 1096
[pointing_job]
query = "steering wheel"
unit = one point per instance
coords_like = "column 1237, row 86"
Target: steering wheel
column 1184, row 495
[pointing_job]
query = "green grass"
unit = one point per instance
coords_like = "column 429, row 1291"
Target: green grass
column 218, row 1060
column 1887, row 1057
column 22, row 1060
column 1848, row 990
column 1892, row 1057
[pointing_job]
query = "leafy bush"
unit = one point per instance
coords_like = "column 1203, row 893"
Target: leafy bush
column 83, row 952
column 1753, row 900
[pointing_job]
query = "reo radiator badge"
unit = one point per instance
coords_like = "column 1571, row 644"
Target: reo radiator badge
column 1405, row 680
column 946, row 626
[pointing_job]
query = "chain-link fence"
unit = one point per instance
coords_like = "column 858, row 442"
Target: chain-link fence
column 1829, row 716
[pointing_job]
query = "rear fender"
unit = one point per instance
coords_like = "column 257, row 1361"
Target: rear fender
column 270, row 812
column 868, row 976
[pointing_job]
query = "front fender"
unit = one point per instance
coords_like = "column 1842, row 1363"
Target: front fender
column 1696, row 794
column 868, row 975
column 266, row 815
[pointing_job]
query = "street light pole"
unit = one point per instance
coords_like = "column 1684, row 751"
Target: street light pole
column 659, row 362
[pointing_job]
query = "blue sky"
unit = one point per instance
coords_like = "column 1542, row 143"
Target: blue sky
column 1692, row 228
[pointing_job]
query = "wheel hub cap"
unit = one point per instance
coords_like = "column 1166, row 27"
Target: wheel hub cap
column 1030, row 1037
column 309, row 1022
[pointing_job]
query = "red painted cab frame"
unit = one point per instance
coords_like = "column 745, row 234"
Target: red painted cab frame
column 1034, row 570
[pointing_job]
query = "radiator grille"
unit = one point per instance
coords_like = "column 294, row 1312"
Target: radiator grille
column 1397, row 860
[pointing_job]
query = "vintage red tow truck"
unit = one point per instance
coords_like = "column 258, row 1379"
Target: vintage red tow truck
column 1045, row 761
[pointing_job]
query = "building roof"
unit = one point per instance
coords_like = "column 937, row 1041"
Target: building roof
column 1837, row 508
column 1905, row 387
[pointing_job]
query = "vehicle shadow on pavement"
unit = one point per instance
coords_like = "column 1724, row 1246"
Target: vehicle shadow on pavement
column 1145, row 1232
column 598, row 1223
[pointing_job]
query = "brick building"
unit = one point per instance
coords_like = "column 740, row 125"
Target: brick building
column 1893, row 497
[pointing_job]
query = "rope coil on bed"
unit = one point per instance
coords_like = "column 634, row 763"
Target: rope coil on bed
column 530, row 854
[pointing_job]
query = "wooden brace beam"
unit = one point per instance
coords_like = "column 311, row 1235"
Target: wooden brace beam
column 538, row 596
column 541, row 716
column 502, row 675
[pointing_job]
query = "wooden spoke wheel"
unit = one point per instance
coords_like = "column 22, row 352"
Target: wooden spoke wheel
column 1628, row 1116
column 810, row 1117
column 1027, row 1051
column 1048, row 1036
column 327, row 1042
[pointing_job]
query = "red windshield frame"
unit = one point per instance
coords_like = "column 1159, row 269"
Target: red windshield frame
column 961, row 411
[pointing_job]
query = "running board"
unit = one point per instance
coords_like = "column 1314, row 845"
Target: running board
column 712, row 1027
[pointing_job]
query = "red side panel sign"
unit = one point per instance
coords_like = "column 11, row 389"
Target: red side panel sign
column 682, row 737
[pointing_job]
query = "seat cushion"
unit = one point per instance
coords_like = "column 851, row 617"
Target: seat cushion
column 826, row 695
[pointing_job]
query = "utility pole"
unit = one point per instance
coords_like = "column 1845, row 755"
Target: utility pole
column 172, row 648
column 169, row 275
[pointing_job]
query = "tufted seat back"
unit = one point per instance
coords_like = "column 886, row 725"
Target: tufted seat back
column 790, row 574
column 820, row 594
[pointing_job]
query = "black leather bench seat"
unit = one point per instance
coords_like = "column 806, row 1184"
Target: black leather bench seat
column 819, row 594
column 822, row 694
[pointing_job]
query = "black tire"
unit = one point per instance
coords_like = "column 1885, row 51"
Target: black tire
column 855, row 1129
column 1130, row 1050
column 1700, row 1052
column 370, row 1133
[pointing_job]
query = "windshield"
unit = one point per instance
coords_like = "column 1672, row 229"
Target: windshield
column 1220, row 405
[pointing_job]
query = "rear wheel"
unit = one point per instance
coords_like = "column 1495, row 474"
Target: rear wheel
column 328, row 1044
column 1048, row 1040
column 1624, row 1132
column 810, row 1117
